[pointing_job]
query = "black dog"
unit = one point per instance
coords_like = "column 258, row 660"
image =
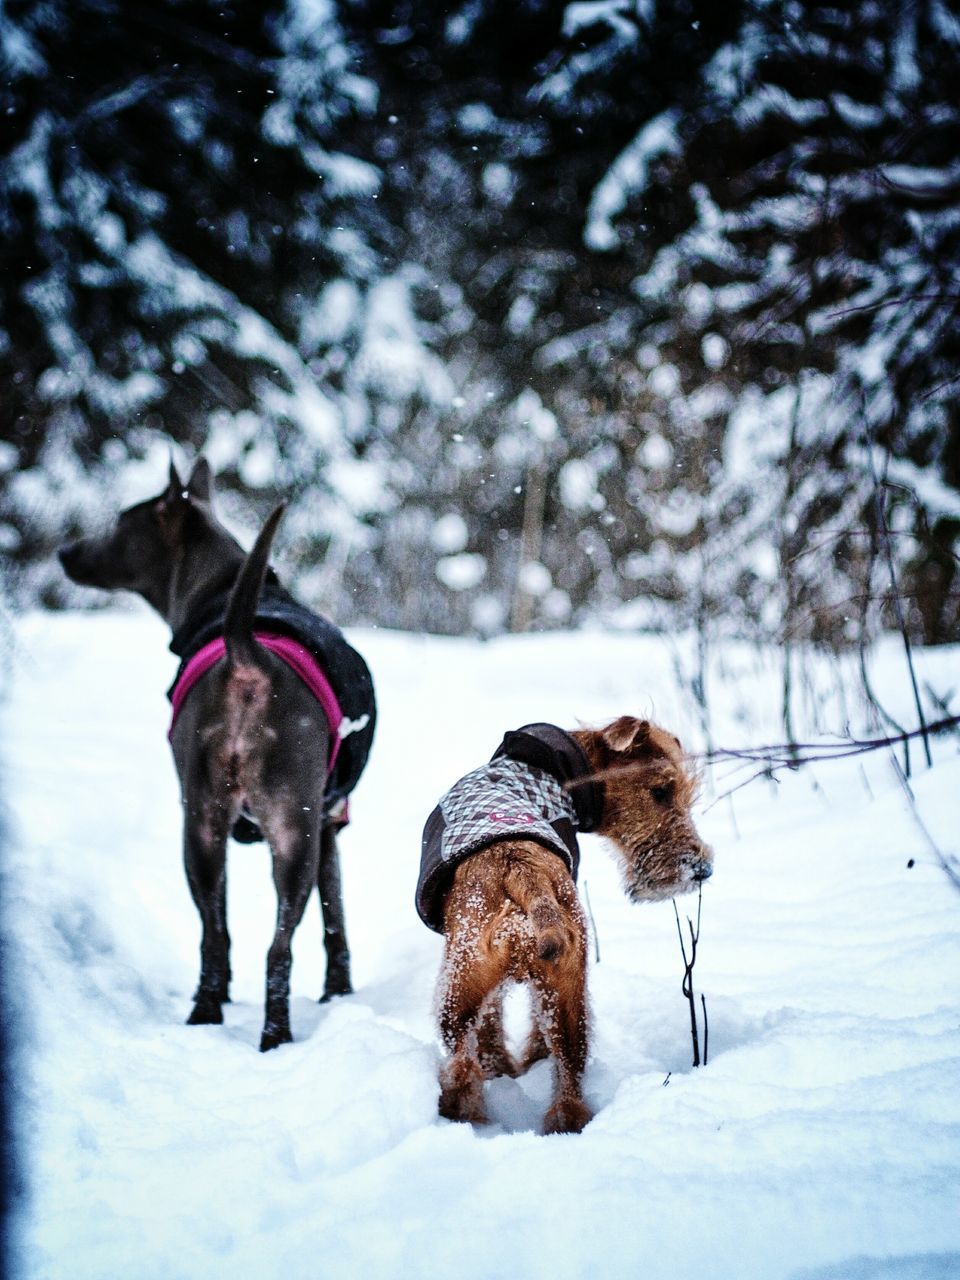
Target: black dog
column 264, row 744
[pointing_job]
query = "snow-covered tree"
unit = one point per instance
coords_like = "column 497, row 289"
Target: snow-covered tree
column 813, row 260
column 538, row 310
column 192, row 250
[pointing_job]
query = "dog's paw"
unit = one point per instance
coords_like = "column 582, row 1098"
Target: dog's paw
column 536, row 1050
column 468, row 1108
column 498, row 1063
column 271, row 1037
column 340, row 987
column 206, row 1011
column 570, row 1115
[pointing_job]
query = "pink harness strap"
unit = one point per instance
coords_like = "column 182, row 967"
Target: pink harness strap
column 298, row 658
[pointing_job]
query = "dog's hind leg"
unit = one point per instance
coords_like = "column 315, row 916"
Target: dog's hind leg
column 562, row 1014
column 461, row 1076
column 337, row 981
column 465, row 988
column 296, row 859
column 204, row 856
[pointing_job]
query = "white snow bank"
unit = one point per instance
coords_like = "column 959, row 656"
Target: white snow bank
column 821, row 1140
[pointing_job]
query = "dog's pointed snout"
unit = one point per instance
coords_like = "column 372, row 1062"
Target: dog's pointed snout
column 70, row 557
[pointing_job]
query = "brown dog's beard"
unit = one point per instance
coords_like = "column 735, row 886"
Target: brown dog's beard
column 663, row 857
column 651, row 876
column 649, row 792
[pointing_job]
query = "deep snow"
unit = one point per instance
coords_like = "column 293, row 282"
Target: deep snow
column 821, row 1140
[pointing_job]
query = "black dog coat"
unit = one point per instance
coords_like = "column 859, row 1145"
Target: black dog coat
column 348, row 674
column 518, row 795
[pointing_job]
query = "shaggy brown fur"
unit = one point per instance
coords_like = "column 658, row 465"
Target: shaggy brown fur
column 512, row 914
column 648, row 793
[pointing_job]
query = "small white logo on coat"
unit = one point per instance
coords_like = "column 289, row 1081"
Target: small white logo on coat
column 348, row 726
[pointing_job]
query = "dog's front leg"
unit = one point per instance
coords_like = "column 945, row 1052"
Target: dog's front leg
column 494, row 1057
column 204, row 855
column 296, row 858
column 337, row 982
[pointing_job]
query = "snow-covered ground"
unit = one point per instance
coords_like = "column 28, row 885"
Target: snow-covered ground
column 821, row 1140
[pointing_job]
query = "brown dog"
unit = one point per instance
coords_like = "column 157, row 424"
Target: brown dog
column 498, row 869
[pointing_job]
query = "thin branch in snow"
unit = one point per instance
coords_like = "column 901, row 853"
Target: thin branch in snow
column 686, row 985
column 593, row 924
column 881, row 513
column 882, row 714
column 940, row 701
column 706, row 1029
column 790, row 755
column 948, row 862
column 731, row 791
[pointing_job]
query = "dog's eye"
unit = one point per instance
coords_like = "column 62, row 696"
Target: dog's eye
column 662, row 793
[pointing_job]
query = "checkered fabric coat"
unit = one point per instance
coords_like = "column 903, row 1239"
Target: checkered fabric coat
column 509, row 797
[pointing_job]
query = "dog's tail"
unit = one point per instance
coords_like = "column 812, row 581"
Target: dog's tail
column 532, row 894
column 547, row 923
column 242, row 609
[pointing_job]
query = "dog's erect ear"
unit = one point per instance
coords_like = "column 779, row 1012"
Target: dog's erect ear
column 175, row 485
column 626, row 732
column 200, row 484
column 172, row 505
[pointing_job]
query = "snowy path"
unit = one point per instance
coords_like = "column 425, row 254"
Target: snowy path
column 825, row 1129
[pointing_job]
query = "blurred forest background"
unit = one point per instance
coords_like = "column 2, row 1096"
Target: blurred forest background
column 629, row 311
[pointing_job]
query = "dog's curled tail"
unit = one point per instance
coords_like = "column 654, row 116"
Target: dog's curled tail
column 242, row 609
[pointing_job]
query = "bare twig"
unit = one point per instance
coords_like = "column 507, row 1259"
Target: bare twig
column 593, row 924
column 789, row 755
column 881, row 514
column 940, row 701
column 531, row 538
column 869, row 692
column 893, row 302
column 730, row 791
column 948, row 862
column 706, row 1028
column 686, row 985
